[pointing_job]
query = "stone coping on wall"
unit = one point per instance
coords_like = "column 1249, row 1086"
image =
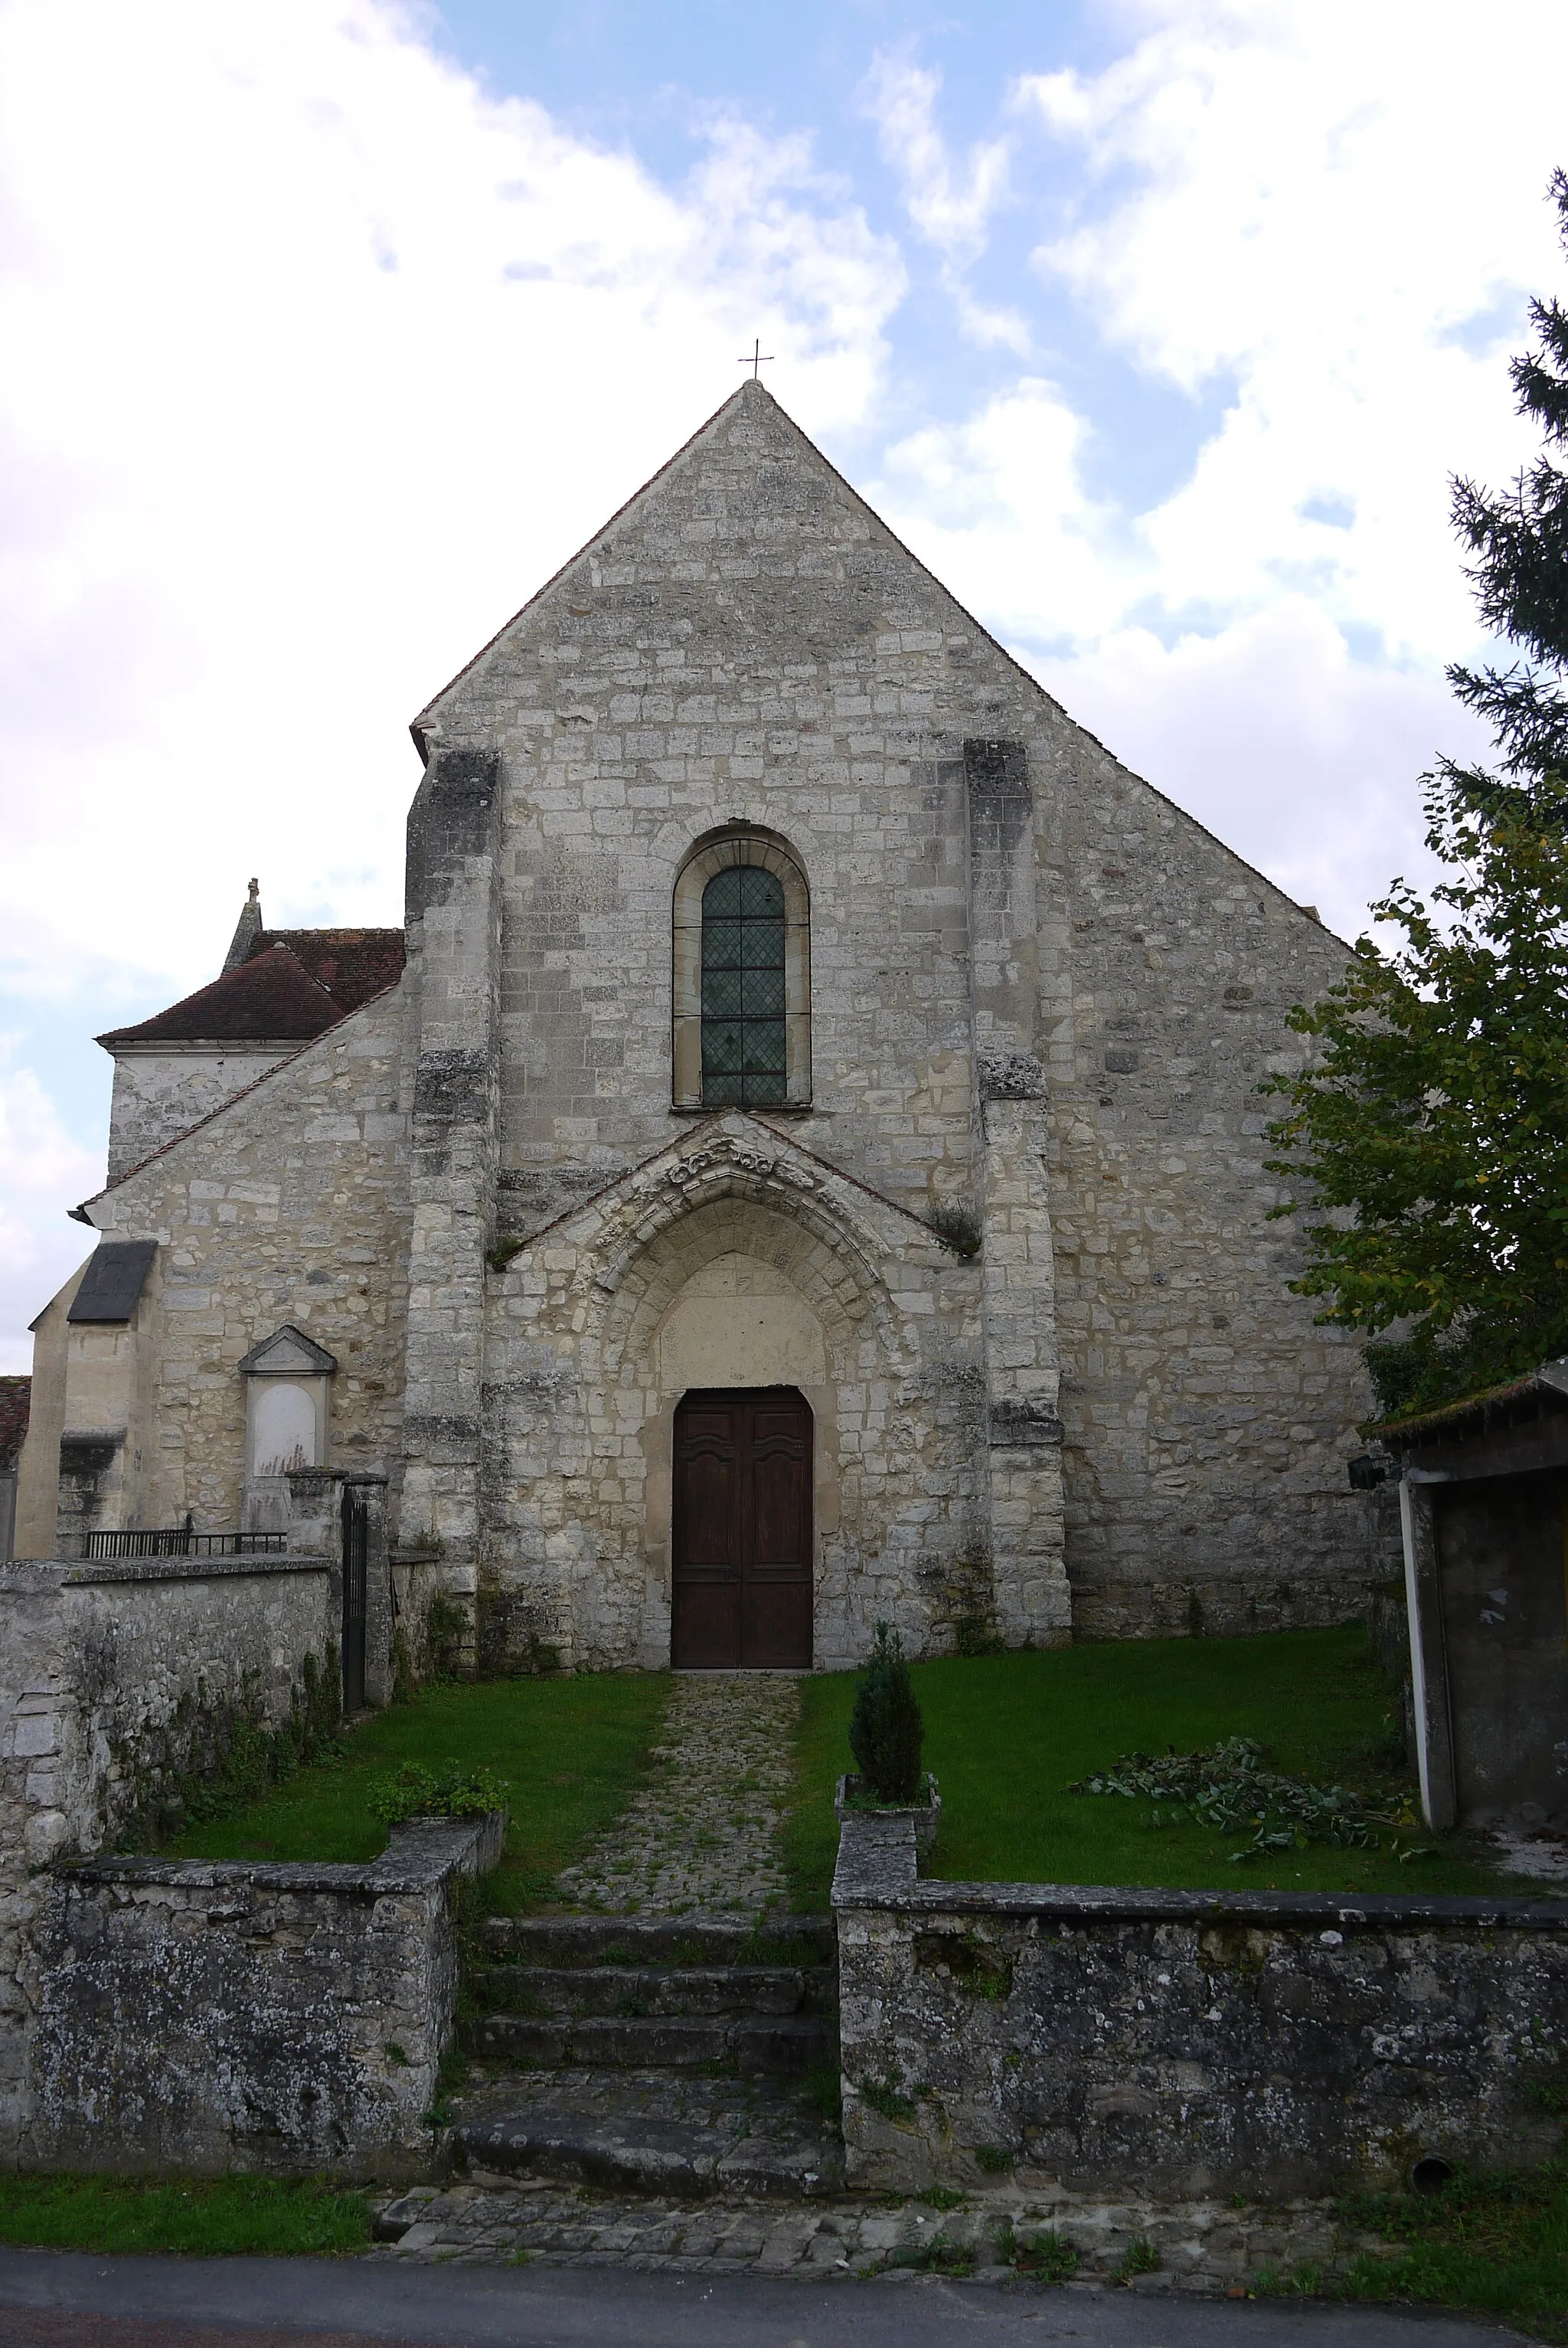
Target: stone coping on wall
column 878, row 1868
column 75, row 1573
column 419, row 1854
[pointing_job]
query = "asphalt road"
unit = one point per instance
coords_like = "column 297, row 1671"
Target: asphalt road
column 57, row 2299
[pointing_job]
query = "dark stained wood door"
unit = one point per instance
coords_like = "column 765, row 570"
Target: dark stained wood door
column 742, row 1531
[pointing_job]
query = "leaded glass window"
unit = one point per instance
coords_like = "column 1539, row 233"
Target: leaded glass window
column 742, row 989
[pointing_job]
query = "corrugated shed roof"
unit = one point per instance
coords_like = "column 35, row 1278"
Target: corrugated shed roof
column 1551, row 1380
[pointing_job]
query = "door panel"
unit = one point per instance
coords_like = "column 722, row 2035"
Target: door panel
column 742, row 1532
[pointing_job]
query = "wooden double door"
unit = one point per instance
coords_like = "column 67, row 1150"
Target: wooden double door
column 742, row 1531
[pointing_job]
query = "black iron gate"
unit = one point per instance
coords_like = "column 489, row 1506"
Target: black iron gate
column 356, row 1574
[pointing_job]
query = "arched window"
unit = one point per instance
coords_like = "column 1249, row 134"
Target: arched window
column 743, row 989
column 741, row 940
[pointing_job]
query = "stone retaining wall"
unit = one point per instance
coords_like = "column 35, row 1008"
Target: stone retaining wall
column 1184, row 2044
column 205, row 2017
column 107, row 1671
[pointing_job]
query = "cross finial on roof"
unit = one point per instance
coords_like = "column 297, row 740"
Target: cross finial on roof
column 247, row 931
column 756, row 358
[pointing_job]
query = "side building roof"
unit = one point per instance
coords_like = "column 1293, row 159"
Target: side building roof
column 292, row 986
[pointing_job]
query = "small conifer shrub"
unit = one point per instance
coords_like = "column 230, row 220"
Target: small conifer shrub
column 886, row 1728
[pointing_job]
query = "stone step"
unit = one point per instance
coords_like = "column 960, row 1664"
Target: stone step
column 638, row 1941
column 629, row 1991
column 760, row 2042
column 643, row 2134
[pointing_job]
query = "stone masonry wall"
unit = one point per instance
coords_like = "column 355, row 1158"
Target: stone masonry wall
column 1174, row 2044
column 829, row 1290
column 1208, row 1419
column 99, row 1668
column 747, row 645
column 159, row 1095
column 206, row 2018
column 290, row 1206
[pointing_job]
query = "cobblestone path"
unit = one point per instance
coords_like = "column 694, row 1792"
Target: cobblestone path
column 1204, row 2249
column 700, row 1838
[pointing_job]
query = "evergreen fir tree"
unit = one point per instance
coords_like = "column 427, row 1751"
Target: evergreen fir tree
column 885, row 1729
column 1433, row 1125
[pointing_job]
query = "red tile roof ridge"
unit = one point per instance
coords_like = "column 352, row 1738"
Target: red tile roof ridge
column 271, row 998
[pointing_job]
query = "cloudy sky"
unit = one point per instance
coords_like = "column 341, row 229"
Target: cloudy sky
column 333, row 326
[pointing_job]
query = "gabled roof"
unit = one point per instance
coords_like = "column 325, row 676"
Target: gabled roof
column 287, row 1353
column 352, row 965
column 272, row 998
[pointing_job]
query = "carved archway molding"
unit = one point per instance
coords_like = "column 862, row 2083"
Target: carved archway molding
column 750, row 1165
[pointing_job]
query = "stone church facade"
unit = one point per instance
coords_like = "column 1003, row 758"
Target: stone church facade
column 801, row 1163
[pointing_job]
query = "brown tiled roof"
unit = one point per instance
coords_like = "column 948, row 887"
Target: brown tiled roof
column 14, row 1395
column 272, row 997
column 352, row 965
column 293, row 986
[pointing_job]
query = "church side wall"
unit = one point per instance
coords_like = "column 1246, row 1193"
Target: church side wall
column 289, row 1206
column 159, row 1094
column 1208, row 1419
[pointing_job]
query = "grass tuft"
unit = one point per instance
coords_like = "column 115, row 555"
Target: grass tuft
column 210, row 2217
column 1496, row 2243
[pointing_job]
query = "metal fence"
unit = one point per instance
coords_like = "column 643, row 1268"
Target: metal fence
column 178, row 1540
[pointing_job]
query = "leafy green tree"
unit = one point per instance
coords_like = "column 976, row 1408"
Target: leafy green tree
column 1433, row 1122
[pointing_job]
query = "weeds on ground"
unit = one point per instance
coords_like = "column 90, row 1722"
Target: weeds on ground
column 1139, row 2258
column 1496, row 2241
column 1227, row 1787
column 209, row 2217
column 940, row 2256
column 1046, row 2255
column 822, row 2089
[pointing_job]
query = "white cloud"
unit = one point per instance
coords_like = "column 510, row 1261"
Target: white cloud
column 951, row 206
column 1302, row 760
column 41, row 1167
column 1335, row 211
column 997, row 507
column 320, row 361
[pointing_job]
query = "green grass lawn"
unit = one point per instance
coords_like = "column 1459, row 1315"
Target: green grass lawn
column 572, row 1751
column 1005, row 1734
column 215, row 2216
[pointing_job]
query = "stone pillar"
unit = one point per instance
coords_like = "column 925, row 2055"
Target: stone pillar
column 454, row 936
column 377, row 1591
column 1017, row 1264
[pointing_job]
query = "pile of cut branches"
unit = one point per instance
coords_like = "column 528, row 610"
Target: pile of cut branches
column 1226, row 1786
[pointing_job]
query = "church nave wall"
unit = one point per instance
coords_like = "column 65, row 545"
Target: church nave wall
column 1208, row 1418
column 290, row 1206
